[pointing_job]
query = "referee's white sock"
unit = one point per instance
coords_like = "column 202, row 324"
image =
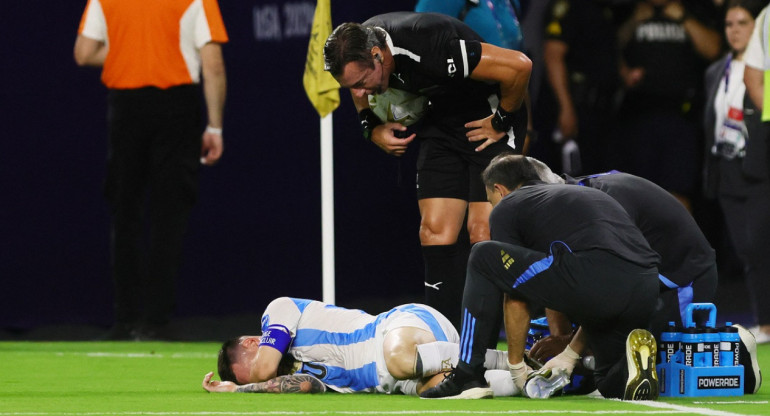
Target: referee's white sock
column 435, row 357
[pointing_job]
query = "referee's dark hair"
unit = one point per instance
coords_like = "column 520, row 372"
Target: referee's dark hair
column 352, row 42
column 510, row 171
column 225, row 360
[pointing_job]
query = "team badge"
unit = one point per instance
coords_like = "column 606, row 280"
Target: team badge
column 507, row 259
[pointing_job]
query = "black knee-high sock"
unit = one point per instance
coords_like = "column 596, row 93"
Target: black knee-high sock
column 445, row 278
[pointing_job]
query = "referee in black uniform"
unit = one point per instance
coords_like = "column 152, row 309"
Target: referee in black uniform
column 571, row 249
column 475, row 89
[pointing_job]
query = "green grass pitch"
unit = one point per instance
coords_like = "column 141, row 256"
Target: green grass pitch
column 164, row 379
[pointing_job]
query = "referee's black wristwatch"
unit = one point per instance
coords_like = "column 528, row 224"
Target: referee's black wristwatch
column 369, row 121
column 502, row 121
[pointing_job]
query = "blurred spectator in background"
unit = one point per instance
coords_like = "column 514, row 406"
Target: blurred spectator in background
column 738, row 156
column 581, row 68
column 497, row 21
column 152, row 54
column 532, row 30
column 665, row 46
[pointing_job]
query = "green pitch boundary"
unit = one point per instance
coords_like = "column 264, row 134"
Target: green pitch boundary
column 127, row 378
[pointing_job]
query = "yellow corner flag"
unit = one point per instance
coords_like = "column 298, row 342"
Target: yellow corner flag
column 322, row 89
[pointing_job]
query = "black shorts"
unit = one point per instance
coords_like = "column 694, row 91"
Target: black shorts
column 449, row 166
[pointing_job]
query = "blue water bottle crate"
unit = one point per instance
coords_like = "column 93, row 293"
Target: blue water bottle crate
column 700, row 361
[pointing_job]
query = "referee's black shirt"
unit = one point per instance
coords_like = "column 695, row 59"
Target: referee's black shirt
column 434, row 56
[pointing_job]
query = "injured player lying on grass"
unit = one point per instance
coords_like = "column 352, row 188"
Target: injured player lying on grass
column 309, row 346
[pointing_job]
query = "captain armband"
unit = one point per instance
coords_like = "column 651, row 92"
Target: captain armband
column 502, row 121
column 276, row 336
column 369, row 121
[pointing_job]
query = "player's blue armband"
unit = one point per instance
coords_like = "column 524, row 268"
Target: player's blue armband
column 276, row 336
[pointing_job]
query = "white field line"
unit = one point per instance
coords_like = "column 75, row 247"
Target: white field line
column 697, row 410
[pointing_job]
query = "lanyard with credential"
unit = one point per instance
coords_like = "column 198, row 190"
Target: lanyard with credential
column 730, row 140
column 727, row 71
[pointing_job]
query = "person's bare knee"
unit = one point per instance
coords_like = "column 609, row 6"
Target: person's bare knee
column 478, row 221
column 441, row 219
column 478, row 231
column 400, row 350
column 438, row 231
column 401, row 360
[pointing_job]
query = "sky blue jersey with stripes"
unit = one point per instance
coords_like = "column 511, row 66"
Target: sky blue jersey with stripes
column 342, row 347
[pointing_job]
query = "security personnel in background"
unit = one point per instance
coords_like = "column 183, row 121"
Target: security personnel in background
column 580, row 58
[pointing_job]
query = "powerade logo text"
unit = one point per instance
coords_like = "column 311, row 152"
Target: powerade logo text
column 719, row 382
column 670, row 350
column 687, row 354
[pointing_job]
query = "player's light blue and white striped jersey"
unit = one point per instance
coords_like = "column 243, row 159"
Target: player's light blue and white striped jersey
column 343, row 347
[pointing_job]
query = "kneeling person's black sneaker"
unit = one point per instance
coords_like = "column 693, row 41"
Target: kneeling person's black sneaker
column 641, row 350
column 460, row 384
column 752, row 377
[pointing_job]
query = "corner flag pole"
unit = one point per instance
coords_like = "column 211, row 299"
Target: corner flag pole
column 323, row 91
column 327, row 209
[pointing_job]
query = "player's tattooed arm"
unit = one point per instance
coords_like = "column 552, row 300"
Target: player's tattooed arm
column 295, row 383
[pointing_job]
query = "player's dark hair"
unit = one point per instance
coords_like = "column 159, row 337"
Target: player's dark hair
column 754, row 7
column 351, row 42
column 510, row 171
column 225, row 360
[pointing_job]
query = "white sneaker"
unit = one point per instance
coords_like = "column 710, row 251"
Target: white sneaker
column 752, row 377
column 761, row 337
column 543, row 384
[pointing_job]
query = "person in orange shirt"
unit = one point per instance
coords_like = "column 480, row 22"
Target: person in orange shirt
column 152, row 55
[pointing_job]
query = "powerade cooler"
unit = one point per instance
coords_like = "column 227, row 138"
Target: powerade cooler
column 700, row 361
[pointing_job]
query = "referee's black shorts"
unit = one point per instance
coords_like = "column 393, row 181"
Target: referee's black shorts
column 448, row 165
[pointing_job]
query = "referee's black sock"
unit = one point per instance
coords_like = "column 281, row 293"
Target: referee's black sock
column 445, row 278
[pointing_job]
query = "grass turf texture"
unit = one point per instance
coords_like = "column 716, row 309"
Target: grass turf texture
column 126, row 378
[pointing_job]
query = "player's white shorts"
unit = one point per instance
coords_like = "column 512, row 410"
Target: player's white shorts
column 344, row 347
column 411, row 315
